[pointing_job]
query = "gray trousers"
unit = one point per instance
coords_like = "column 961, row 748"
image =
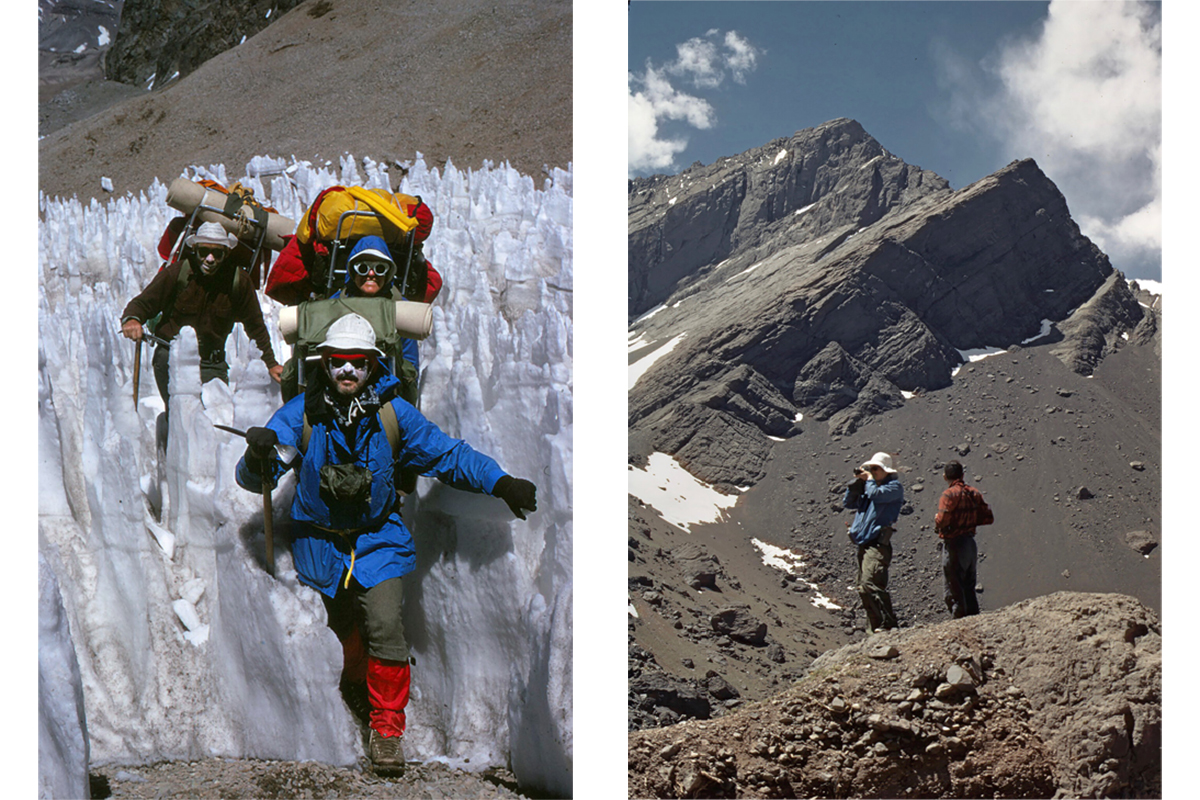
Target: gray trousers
column 376, row 612
column 873, row 562
column 959, row 556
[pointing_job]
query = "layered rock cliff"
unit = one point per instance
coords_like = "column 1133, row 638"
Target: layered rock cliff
column 160, row 41
column 840, row 280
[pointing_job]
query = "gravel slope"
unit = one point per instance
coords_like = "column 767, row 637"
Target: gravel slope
column 230, row 778
column 453, row 80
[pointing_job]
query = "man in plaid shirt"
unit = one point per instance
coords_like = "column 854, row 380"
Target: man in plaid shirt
column 960, row 509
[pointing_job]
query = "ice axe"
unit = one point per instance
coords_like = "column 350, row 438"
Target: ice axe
column 286, row 454
column 137, row 370
column 137, row 360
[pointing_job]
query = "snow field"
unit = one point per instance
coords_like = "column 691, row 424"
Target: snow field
column 186, row 647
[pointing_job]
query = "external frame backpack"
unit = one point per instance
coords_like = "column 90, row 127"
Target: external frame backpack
column 313, row 319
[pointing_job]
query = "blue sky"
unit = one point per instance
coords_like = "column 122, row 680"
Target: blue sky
column 960, row 88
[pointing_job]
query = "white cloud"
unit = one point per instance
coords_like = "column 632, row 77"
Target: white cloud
column 1083, row 98
column 702, row 61
column 742, row 56
column 658, row 100
column 699, row 59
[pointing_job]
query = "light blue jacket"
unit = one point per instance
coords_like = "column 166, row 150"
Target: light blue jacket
column 878, row 507
column 370, row 539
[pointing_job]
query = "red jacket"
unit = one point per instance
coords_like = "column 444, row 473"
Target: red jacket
column 290, row 281
column 960, row 509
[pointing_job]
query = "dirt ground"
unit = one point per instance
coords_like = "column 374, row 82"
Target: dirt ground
column 454, row 81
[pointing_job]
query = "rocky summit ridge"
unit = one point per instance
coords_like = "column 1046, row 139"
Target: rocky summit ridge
column 840, row 281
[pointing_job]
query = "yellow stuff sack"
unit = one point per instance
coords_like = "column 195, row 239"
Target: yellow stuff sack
column 395, row 215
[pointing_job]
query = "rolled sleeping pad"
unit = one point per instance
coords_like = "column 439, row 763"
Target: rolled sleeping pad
column 413, row 321
column 184, row 195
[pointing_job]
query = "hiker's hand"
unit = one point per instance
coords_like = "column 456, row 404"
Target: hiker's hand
column 277, row 373
column 261, row 442
column 260, row 448
column 520, row 494
column 132, row 329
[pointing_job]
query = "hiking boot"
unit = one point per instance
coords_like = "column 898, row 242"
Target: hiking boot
column 386, row 753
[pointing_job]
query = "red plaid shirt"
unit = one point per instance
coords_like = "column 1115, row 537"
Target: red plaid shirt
column 960, row 509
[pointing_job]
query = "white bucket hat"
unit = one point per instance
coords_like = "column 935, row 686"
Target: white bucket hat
column 351, row 333
column 213, row 235
column 880, row 460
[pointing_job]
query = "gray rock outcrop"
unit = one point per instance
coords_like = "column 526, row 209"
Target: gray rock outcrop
column 819, row 180
column 820, row 297
column 159, row 41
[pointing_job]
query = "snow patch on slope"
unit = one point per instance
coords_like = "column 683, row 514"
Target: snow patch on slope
column 676, row 494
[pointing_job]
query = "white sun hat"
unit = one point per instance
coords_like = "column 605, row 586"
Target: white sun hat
column 213, row 235
column 880, row 460
column 350, row 333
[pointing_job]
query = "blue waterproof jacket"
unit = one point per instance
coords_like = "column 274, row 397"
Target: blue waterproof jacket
column 408, row 347
column 369, row 539
column 877, row 507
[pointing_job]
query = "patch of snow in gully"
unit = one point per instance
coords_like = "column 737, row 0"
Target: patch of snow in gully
column 671, row 490
column 788, row 561
column 639, row 367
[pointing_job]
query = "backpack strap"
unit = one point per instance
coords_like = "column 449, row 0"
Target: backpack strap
column 387, row 418
column 391, row 426
column 181, row 280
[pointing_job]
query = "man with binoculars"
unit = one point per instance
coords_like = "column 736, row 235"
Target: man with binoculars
column 875, row 496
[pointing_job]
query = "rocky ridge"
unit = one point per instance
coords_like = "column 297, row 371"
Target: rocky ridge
column 790, row 190
column 160, row 41
column 838, row 327
column 1054, row 696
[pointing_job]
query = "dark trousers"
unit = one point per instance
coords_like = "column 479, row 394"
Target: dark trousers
column 375, row 612
column 873, row 562
column 958, row 557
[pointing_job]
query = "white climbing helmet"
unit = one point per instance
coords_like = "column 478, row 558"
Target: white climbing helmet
column 351, row 333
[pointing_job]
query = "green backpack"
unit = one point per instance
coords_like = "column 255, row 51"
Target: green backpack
column 313, row 320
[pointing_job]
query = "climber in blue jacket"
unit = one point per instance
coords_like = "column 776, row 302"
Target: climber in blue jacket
column 350, row 543
column 876, row 497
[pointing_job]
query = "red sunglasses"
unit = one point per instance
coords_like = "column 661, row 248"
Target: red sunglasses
column 356, row 360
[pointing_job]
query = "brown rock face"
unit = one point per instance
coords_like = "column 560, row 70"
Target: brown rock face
column 455, row 80
column 1058, row 694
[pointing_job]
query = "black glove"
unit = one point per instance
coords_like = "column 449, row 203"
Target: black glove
column 520, row 494
column 261, row 441
column 260, row 448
